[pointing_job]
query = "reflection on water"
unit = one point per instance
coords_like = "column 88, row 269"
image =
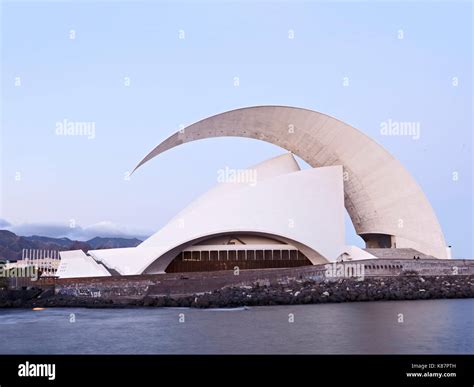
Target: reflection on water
column 435, row 326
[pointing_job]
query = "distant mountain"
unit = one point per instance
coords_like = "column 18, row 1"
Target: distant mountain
column 112, row 243
column 11, row 245
column 65, row 242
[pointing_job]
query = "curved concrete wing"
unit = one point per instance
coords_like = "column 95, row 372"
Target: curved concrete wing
column 383, row 200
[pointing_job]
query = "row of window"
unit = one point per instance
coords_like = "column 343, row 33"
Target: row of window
column 384, row 266
column 241, row 255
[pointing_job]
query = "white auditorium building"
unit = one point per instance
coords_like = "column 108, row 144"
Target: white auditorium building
column 283, row 216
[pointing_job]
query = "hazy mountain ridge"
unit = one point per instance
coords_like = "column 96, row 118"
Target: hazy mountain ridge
column 11, row 245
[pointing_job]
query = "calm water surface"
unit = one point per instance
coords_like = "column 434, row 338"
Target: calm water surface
column 434, row 326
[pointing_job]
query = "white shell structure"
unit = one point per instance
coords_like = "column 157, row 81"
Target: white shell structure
column 277, row 203
column 384, row 201
column 273, row 204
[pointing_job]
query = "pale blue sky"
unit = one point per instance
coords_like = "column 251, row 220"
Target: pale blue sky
column 178, row 81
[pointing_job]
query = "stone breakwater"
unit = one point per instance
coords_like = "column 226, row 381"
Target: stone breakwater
column 304, row 291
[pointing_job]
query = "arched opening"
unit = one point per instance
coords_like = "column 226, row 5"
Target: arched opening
column 242, row 250
column 214, row 258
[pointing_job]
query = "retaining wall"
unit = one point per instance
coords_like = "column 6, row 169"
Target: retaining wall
column 135, row 287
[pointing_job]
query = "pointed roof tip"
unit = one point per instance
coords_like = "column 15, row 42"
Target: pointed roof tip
column 134, row 169
column 277, row 165
column 143, row 161
column 292, row 157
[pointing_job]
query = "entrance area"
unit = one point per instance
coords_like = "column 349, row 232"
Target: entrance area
column 228, row 257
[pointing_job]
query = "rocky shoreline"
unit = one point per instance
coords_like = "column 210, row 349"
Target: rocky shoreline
column 291, row 293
